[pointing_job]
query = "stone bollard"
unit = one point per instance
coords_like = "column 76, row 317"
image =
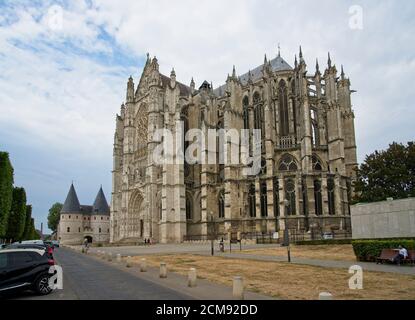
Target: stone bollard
column 118, row 258
column 325, row 296
column 143, row 265
column 109, row 256
column 103, row 255
column 129, row 262
column 191, row 281
column 238, row 288
column 163, row 270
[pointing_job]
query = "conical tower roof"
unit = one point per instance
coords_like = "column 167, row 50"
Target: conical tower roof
column 71, row 204
column 100, row 204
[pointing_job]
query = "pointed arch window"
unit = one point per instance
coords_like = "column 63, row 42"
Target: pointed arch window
column 245, row 104
column 305, row 196
column 316, row 163
column 290, row 208
column 221, row 204
column 257, row 98
column 287, row 163
column 189, row 213
column 264, row 203
column 318, row 202
column 330, row 194
column 276, row 197
column 349, row 194
column 314, row 127
column 258, row 116
column 252, row 201
column 283, row 108
column 259, row 121
column 263, row 166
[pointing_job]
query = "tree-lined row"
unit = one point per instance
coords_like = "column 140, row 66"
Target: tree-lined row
column 16, row 222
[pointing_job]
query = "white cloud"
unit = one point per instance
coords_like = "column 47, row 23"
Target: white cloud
column 60, row 89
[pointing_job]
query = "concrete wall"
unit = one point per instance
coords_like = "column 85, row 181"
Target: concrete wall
column 385, row 219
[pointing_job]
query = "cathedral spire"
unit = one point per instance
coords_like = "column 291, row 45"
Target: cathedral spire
column 317, row 66
column 155, row 63
column 234, row 72
column 342, row 73
column 329, row 60
column 130, row 90
column 279, row 50
column 265, row 59
column 192, row 85
column 296, row 62
column 172, row 78
column 301, row 56
column 249, row 76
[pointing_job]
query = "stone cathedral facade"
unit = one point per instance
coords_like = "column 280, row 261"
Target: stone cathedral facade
column 308, row 155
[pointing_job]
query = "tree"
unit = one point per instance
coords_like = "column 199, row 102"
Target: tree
column 6, row 191
column 27, row 226
column 34, row 235
column 17, row 217
column 387, row 174
column 54, row 216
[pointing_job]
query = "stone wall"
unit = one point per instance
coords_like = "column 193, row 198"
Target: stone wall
column 385, row 219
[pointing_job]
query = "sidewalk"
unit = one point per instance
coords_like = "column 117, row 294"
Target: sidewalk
column 366, row 266
column 205, row 290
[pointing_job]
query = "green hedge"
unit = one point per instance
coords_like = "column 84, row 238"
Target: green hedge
column 369, row 250
column 323, row 242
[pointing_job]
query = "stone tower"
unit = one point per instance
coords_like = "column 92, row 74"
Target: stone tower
column 78, row 222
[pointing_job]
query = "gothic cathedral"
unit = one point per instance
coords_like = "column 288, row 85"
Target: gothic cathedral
column 308, row 156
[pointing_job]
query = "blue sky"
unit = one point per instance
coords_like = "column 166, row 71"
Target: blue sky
column 63, row 80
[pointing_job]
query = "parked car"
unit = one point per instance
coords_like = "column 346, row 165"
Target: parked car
column 45, row 247
column 22, row 269
column 31, row 242
column 328, row 236
column 3, row 245
column 55, row 243
column 52, row 243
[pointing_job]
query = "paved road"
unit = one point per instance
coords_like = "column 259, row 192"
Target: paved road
column 174, row 248
column 86, row 278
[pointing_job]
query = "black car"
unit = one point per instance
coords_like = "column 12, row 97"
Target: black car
column 22, row 269
column 47, row 248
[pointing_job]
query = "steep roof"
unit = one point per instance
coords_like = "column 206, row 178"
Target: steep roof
column 71, row 204
column 277, row 64
column 184, row 90
column 100, row 204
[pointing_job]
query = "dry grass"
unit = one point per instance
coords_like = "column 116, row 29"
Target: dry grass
column 324, row 252
column 290, row 281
